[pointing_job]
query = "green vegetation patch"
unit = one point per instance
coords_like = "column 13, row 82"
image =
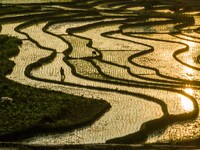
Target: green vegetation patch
column 32, row 107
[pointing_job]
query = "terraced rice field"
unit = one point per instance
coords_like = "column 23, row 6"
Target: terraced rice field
column 147, row 68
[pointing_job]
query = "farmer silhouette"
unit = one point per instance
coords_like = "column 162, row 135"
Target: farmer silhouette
column 62, row 73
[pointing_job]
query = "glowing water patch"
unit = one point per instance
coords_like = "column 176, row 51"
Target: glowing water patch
column 189, row 72
column 191, row 44
column 186, row 102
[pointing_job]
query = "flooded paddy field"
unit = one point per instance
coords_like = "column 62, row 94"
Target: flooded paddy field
column 145, row 63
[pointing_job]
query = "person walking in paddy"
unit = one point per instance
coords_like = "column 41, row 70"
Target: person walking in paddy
column 62, row 73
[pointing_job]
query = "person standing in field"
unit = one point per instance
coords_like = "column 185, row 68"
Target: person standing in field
column 62, row 73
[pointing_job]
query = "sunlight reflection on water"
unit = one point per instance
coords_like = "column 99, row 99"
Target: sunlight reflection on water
column 191, row 44
column 189, row 72
column 186, row 102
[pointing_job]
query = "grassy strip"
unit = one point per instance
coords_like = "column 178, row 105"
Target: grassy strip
column 32, row 108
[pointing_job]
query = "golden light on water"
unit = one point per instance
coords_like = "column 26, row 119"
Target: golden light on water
column 186, row 103
column 189, row 72
column 192, row 44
